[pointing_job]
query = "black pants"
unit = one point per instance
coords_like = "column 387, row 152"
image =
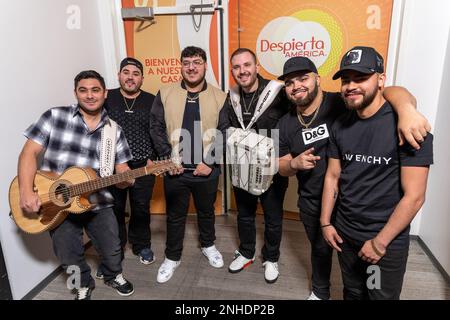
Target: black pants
column 321, row 252
column 177, row 192
column 357, row 275
column 272, row 204
column 101, row 227
column 139, row 234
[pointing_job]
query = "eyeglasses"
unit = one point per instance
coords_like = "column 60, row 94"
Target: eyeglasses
column 195, row 63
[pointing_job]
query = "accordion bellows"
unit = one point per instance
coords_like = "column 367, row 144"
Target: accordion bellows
column 251, row 157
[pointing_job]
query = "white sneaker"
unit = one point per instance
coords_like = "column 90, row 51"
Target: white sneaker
column 214, row 257
column 312, row 296
column 271, row 272
column 239, row 263
column 166, row 270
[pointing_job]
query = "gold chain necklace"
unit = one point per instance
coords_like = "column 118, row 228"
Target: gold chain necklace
column 302, row 121
column 247, row 109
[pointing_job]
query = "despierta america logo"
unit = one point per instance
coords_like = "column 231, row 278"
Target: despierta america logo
column 309, row 33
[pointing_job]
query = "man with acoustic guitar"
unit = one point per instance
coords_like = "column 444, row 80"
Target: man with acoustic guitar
column 72, row 136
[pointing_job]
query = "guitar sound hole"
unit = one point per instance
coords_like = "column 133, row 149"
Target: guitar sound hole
column 62, row 193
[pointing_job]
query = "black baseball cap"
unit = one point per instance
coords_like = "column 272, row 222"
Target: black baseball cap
column 362, row 59
column 133, row 62
column 296, row 64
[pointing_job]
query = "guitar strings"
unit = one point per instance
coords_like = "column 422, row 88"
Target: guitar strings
column 67, row 190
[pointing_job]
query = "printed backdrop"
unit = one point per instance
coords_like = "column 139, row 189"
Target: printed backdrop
column 159, row 45
column 322, row 30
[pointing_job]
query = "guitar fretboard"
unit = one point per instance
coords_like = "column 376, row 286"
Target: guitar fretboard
column 100, row 183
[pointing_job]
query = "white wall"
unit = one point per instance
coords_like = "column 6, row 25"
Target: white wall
column 435, row 225
column 423, row 66
column 40, row 57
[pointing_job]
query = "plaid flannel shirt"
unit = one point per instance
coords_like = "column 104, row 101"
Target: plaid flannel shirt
column 68, row 142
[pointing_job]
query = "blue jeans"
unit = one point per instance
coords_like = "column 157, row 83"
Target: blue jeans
column 101, row 227
column 355, row 272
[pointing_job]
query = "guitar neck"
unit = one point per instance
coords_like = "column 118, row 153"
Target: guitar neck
column 100, row 183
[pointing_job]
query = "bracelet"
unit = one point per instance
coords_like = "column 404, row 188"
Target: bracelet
column 326, row 225
column 375, row 249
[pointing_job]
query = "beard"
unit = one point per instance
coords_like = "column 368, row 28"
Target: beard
column 130, row 92
column 308, row 99
column 252, row 78
column 367, row 100
column 193, row 83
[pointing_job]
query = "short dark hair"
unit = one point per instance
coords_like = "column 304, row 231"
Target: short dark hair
column 243, row 50
column 89, row 74
column 192, row 51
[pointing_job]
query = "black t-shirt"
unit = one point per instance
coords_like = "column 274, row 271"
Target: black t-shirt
column 294, row 140
column 191, row 123
column 371, row 161
column 134, row 118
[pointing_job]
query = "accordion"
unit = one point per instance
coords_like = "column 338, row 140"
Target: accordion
column 252, row 160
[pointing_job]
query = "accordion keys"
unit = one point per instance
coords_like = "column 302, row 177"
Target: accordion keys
column 251, row 157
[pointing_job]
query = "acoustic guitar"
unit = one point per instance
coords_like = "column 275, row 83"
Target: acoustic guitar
column 68, row 193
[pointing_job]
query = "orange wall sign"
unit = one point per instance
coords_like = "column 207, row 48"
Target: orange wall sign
column 321, row 30
column 158, row 45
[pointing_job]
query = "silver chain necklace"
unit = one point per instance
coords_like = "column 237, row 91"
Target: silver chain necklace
column 247, row 109
column 128, row 108
column 193, row 98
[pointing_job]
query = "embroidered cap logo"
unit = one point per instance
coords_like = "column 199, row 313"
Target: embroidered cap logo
column 353, row 57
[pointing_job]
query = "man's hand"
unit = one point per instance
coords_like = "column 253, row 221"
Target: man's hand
column 372, row 251
column 176, row 171
column 202, row 170
column 123, row 167
column 332, row 237
column 30, row 202
column 413, row 127
column 305, row 161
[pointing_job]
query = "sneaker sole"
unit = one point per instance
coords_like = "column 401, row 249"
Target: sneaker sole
column 99, row 277
column 125, row 294
column 146, row 262
column 271, row 281
column 244, row 266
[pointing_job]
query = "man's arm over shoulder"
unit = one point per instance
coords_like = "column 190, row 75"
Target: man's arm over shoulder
column 412, row 126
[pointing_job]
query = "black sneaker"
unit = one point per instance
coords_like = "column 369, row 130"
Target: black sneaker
column 146, row 256
column 122, row 285
column 99, row 274
column 83, row 293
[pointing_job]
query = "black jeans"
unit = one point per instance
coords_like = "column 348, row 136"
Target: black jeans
column 139, row 234
column 321, row 258
column 356, row 275
column 101, row 227
column 272, row 204
column 177, row 192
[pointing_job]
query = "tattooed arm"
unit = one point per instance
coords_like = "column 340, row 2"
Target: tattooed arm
column 329, row 196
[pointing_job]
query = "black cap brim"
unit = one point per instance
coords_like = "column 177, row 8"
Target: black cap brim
column 364, row 70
